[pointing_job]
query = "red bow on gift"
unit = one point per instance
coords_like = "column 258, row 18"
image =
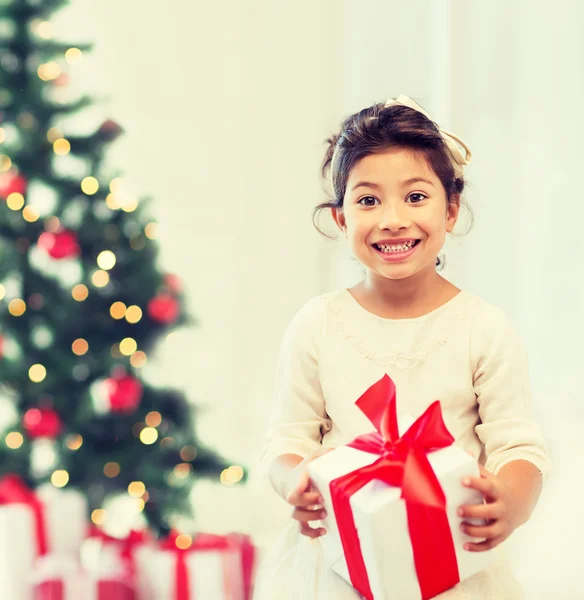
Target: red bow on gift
column 127, row 545
column 13, row 490
column 402, row 463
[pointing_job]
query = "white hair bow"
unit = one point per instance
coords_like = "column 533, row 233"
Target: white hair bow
column 453, row 142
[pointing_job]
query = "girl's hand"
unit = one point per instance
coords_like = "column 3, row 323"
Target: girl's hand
column 305, row 498
column 498, row 510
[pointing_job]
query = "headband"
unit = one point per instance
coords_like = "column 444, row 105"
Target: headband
column 453, row 142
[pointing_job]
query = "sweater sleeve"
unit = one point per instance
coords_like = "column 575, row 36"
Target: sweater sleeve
column 503, row 391
column 299, row 418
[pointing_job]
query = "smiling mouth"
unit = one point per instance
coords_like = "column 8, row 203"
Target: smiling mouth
column 396, row 248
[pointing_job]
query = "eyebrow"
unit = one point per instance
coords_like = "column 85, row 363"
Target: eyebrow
column 376, row 186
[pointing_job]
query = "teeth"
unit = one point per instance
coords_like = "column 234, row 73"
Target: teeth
column 396, row 248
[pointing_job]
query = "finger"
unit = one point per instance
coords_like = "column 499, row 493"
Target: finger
column 301, row 514
column 494, row 510
column 485, row 486
column 483, row 531
column 305, row 499
column 486, row 545
column 311, row 532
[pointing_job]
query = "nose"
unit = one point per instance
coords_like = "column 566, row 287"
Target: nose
column 394, row 217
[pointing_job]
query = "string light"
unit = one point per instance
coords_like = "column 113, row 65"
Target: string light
column 2, row 135
column 106, row 260
column 129, row 205
column 111, row 469
column 151, row 231
column 2, row 291
column 15, row 201
column 153, row 419
column 5, row 163
column 231, row 475
column 74, row 441
column 53, row 134
column 166, row 442
column 133, row 314
column 90, row 186
column 17, row 307
column 100, row 278
column 80, row 292
column 113, row 201
column 117, row 310
column 52, row 224
column 44, row 30
column 98, row 516
column 14, row 440
column 116, row 184
column 148, row 435
column 30, row 214
column 136, row 489
column 62, row 147
column 80, row 347
column 137, row 242
column 138, row 359
column 128, row 346
column 188, row 453
column 182, row 470
column 49, row 71
column 183, row 541
column 73, row 56
column 37, row 373
column 60, row 478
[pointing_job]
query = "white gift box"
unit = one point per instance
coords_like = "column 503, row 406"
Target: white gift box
column 215, row 574
column 18, row 549
column 65, row 517
column 57, row 568
column 381, row 519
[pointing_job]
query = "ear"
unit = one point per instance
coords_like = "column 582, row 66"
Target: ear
column 339, row 218
column 452, row 213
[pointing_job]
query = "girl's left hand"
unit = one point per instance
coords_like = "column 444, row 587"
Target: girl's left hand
column 498, row 511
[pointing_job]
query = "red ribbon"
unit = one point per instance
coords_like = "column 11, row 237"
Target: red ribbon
column 202, row 542
column 13, row 490
column 402, row 463
column 50, row 590
column 127, row 545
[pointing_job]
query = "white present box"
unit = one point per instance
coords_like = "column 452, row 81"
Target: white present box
column 18, row 549
column 57, row 577
column 211, row 572
column 381, row 519
column 65, row 518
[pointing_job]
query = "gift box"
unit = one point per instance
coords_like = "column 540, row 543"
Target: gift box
column 108, row 578
column 32, row 525
column 392, row 524
column 56, row 577
column 209, row 567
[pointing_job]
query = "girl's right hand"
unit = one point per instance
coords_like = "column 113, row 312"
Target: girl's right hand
column 305, row 498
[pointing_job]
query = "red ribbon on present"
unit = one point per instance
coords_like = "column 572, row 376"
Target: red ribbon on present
column 49, row 590
column 127, row 545
column 402, row 463
column 202, row 542
column 13, row 490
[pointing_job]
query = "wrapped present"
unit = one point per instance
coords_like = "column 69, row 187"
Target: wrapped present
column 57, row 577
column 108, row 578
column 23, row 536
column 392, row 525
column 66, row 518
column 209, row 567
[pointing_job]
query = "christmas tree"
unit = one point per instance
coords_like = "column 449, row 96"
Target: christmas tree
column 82, row 300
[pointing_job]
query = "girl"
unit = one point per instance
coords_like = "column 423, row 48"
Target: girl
column 397, row 180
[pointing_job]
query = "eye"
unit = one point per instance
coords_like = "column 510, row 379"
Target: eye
column 360, row 201
column 415, row 198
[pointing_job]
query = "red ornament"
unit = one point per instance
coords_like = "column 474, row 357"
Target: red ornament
column 11, row 183
column 124, row 392
column 42, row 423
column 173, row 283
column 164, row 308
column 59, row 245
column 109, row 130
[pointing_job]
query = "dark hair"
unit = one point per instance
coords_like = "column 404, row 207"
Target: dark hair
column 376, row 129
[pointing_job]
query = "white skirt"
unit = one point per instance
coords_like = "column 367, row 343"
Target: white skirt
column 294, row 569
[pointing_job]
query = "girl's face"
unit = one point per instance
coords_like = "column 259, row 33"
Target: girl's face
column 395, row 214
